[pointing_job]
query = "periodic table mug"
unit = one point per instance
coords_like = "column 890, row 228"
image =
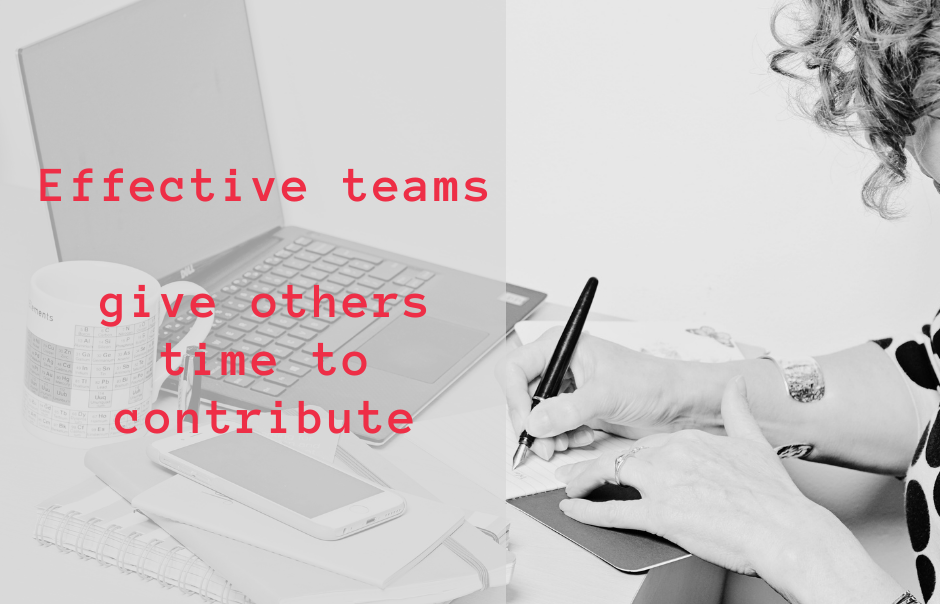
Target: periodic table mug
column 80, row 373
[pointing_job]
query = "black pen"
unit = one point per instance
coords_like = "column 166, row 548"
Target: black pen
column 555, row 372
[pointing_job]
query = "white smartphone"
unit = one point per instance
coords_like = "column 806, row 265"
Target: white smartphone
column 274, row 479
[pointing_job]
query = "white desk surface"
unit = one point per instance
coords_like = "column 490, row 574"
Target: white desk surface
column 549, row 568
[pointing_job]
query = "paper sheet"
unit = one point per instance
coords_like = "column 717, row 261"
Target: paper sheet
column 537, row 475
column 662, row 339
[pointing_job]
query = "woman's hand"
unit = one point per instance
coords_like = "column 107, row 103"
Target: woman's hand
column 619, row 391
column 729, row 500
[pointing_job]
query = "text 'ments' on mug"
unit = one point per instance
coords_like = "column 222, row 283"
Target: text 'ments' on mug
column 80, row 373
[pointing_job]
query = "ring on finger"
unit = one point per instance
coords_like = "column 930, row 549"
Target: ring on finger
column 621, row 459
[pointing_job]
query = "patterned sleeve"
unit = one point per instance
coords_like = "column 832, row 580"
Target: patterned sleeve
column 919, row 360
column 918, row 357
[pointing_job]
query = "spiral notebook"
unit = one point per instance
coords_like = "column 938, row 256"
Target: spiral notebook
column 95, row 523
column 451, row 571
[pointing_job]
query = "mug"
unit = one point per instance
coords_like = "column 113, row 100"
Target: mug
column 80, row 373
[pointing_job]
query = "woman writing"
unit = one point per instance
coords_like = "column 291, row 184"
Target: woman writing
column 710, row 436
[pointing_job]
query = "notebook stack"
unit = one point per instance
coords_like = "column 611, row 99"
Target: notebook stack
column 144, row 519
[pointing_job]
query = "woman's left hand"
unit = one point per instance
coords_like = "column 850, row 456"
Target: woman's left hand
column 727, row 499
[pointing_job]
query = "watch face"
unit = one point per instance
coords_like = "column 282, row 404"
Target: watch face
column 798, row 451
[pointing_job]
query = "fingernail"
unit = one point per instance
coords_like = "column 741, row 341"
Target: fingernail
column 564, row 505
column 580, row 439
column 543, row 449
column 538, row 424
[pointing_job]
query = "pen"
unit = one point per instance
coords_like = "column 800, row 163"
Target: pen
column 558, row 365
column 188, row 390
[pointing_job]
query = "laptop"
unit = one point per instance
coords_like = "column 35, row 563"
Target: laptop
column 163, row 86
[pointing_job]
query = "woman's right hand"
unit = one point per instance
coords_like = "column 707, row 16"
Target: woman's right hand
column 618, row 390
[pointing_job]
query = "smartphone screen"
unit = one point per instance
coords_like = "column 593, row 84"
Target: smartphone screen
column 276, row 472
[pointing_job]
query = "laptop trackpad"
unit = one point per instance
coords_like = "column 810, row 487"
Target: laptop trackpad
column 420, row 348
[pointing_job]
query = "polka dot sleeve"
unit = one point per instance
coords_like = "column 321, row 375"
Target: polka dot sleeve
column 918, row 358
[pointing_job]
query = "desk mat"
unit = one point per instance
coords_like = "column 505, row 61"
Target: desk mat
column 627, row 551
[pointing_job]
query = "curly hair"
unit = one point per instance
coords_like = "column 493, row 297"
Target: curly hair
column 875, row 65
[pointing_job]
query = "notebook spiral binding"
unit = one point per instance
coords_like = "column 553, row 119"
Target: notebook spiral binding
column 171, row 565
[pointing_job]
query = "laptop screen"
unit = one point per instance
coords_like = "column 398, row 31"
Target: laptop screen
column 160, row 89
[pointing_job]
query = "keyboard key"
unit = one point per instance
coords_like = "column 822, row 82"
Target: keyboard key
column 341, row 279
column 171, row 327
column 282, row 322
column 245, row 297
column 219, row 296
column 237, row 305
column 416, row 283
column 217, row 342
column 361, row 265
column 321, row 247
column 239, row 380
column 268, row 388
column 370, row 282
column 296, row 264
column 314, row 324
column 251, row 275
column 212, row 351
column 225, row 314
column 186, row 320
column 303, row 282
column 283, row 272
column 303, row 241
column 231, row 334
column 248, row 349
column 305, row 304
column 261, row 288
column 230, row 289
column 365, row 292
column 283, row 379
column 273, row 280
column 292, row 247
column 331, row 288
column 240, row 282
column 262, row 268
column 301, row 334
column 387, row 270
column 283, row 254
column 250, row 316
column 289, row 342
column 325, row 266
column 345, row 253
column 312, row 273
column 242, row 324
column 294, row 369
column 307, row 256
column 404, row 278
column 351, row 272
column 270, row 331
column 424, row 275
column 257, row 338
column 334, row 259
column 273, row 261
column 280, row 353
column 304, row 359
column 324, row 316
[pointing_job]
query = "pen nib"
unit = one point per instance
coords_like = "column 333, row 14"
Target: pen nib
column 519, row 456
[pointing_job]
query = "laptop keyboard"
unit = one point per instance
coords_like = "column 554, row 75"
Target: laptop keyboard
column 302, row 263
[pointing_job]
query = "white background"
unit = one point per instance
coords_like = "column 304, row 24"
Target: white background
column 647, row 145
